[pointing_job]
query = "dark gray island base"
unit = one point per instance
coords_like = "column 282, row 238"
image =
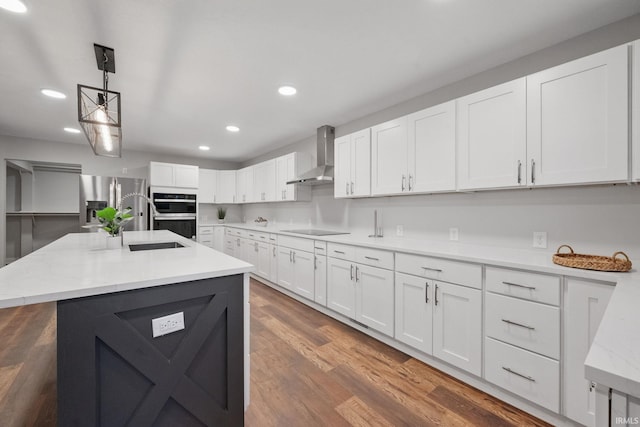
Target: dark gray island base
column 112, row 372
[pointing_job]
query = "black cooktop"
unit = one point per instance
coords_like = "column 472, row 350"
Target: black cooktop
column 314, row 232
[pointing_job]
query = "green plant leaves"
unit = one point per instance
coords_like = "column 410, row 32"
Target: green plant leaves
column 113, row 220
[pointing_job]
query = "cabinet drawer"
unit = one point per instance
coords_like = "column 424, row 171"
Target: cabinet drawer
column 236, row 232
column 258, row 235
column 202, row 230
column 462, row 273
column 296, row 243
column 337, row 250
column 273, row 239
column 320, row 247
column 529, row 375
column 523, row 284
column 526, row 324
column 374, row 257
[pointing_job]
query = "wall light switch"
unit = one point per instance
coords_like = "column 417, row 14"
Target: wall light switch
column 399, row 230
column 540, row 239
column 167, row 324
column 453, row 234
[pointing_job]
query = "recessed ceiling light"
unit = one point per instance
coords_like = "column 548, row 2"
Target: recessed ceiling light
column 72, row 130
column 204, row 148
column 287, row 90
column 232, row 128
column 52, row 93
column 13, row 6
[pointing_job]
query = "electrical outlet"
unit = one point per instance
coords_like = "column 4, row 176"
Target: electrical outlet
column 540, row 239
column 167, row 324
column 453, row 234
column 125, row 171
column 399, row 230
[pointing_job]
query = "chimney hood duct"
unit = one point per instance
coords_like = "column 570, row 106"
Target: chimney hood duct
column 323, row 173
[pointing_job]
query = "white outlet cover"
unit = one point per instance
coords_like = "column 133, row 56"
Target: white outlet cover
column 399, row 230
column 454, row 234
column 167, row 324
column 540, row 239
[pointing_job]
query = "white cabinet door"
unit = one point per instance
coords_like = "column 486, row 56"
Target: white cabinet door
column 244, row 187
column 229, row 246
column 251, row 248
column 226, row 192
column 577, row 121
column 218, row 238
column 491, row 132
column 263, row 267
column 273, row 269
column 264, row 181
column 374, row 298
column 285, row 267
column 320, row 280
column 304, row 274
column 414, row 311
column 285, row 171
column 584, row 306
column 432, row 149
column 635, row 108
column 186, row 176
column 242, row 250
column 207, row 183
column 360, row 184
column 389, row 157
column 342, row 167
column 341, row 291
column 457, row 326
column 161, row 174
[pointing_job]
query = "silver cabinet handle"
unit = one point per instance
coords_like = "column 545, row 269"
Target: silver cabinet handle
column 519, row 172
column 320, row 249
column 437, row 270
column 256, row 246
column 315, row 262
column 426, row 293
column 357, row 268
column 372, row 258
column 274, row 251
column 347, row 190
column 404, row 179
column 351, row 187
column 519, row 286
column 294, row 257
column 250, row 235
column 436, row 295
column 592, row 386
column 526, row 377
column 533, row 171
column 338, row 252
column 531, row 328
column 351, row 271
column 272, row 239
column 238, row 242
column 290, row 256
column 410, row 179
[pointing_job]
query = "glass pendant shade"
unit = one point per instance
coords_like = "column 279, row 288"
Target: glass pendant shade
column 99, row 117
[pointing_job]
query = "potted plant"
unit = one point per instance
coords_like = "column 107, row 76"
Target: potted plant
column 112, row 222
column 222, row 213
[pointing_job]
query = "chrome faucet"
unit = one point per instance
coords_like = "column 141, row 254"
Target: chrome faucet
column 126, row 196
column 377, row 230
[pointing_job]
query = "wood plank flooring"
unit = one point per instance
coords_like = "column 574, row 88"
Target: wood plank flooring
column 306, row 370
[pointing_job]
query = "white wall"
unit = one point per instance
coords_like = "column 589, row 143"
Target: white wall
column 55, row 191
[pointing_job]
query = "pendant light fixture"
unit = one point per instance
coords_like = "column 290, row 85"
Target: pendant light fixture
column 99, row 109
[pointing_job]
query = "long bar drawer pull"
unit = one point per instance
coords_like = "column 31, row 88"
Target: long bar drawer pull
column 320, row 249
column 437, row 270
column 531, row 328
column 533, row 288
column 338, row 252
column 372, row 258
column 526, row 377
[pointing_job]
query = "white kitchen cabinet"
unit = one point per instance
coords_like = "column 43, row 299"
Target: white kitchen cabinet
column 374, row 298
column 457, row 326
column 205, row 235
column 173, row 175
column 584, row 306
column 229, row 245
column 577, row 121
column 353, row 165
column 264, row 181
column 414, row 311
column 635, row 109
column 389, row 151
column 263, row 268
column 244, row 185
column 242, row 249
column 285, row 267
column 218, row 238
column 431, row 160
column 491, row 131
column 341, row 294
column 296, row 271
column 273, row 251
column 288, row 167
column 252, row 254
column 207, row 185
column 226, row 186
column 320, row 279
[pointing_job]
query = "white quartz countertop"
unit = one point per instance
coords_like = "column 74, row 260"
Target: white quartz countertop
column 79, row 265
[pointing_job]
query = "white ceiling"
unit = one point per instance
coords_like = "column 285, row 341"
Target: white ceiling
column 186, row 69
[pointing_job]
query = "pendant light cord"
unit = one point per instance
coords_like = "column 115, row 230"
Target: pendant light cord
column 105, row 81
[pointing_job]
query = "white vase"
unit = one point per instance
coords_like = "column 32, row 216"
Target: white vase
column 114, row 242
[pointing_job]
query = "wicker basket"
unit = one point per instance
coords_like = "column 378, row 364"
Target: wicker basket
column 592, row 262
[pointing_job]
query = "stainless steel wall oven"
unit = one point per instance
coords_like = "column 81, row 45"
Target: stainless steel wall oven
column 175, row 212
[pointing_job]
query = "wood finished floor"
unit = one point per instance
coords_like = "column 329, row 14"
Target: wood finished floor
column 306, row 370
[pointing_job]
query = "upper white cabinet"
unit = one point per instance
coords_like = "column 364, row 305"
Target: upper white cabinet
column 389, row 157
column 173, row 175
column 207, row 185
column 635, row 108
column 431, row 160
column 492, row 132
column 353, row 165
column 244, row 185
column 287, row 168
column 585, row 303
column 264, row 181
column 577, row 121
column 226, row 187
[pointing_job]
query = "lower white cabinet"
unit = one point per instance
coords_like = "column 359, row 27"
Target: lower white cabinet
column 273, row 261
column 320, row 272
column 263, row 267
column 414, row 312
column 252, row 254
column 341, row 294
column 229, row 245
column 296, row 271
column 218, row 238
column 457, row 326
column 285, row 267
column 584, row 306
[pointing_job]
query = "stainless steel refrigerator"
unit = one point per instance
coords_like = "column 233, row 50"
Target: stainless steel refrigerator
column 98, row 192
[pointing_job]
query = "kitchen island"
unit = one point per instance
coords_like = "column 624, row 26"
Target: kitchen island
column 111, row 368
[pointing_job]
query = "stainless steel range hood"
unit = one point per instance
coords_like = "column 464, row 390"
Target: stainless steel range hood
column 323, row 173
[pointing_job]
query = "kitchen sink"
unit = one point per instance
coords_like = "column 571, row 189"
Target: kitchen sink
column 153, row 246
